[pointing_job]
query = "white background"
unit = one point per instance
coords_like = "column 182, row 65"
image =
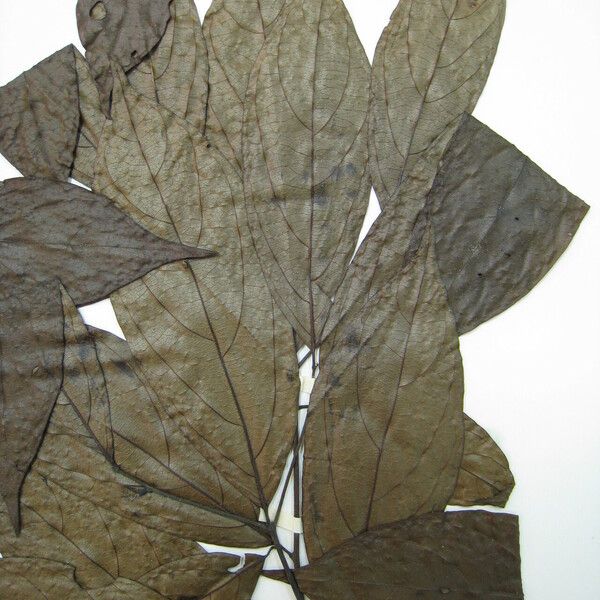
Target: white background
column 533, row 373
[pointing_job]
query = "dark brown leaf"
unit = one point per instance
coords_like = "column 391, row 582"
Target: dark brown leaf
column 484, row 476
column 209, row 338
column 175, row 73
column 305, row 158
column 235, row 33
column 52, row 230
column 39, row 117
column 460, row 555
column 78, row 512
column 31, row 355
column 430, row 66
column 123, row 31
column 500, row 223
column 384, row 435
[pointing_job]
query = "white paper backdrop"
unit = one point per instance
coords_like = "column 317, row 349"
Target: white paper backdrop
column 533, row 373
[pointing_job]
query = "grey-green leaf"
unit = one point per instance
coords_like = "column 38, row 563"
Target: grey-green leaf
column 500, row 223
column 235, row 32
column 484, row 476
column 305, row 158
column 39, row 117
column 460, row 555
column 384, row 435
column 175, row 72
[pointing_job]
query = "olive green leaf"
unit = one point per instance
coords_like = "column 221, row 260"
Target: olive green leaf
column 384, row 435
column 466, row 554
column 484, row 476
column 124, row 31
column 175, row 72
column 210, row 339
column 80, row 513
column 431, row 65
column 39, row 117
column 53, row 232
column 500, row 223
column 235, row 32
column 305, row 158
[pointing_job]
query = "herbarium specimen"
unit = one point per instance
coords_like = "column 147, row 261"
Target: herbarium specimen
column 230, row 165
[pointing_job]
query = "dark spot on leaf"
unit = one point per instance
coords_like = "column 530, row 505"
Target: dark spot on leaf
column 290, row 376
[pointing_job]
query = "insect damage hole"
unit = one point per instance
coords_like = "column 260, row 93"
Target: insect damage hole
column 98, row 11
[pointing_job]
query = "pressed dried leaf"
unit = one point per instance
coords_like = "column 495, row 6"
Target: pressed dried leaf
column 500, row 223
column 210, row 339
column 240, row 587
column 36, row 579
column 53, row 232
column 175, row 73
column 31, row 352
column 471, row 555
column 124, row 31
column 39, row 117
column 235, row 32
column 305, row 158
column 384, row 435
column 109, row 550
column 430, row 66
column 125, row 416
column 484, row 476
column 91, row 121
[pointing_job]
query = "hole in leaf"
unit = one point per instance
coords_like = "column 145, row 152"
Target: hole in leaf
column 98, row 11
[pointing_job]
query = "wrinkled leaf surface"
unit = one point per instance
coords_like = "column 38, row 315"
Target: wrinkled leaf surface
column 305, row 158
column 500, row 223
column 384, row 435
column 39, row 117
column 471, row 555
column 210, row 339
column 484, row 476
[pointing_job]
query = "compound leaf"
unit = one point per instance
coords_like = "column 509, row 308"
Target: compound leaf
column 500, row 223
column 39, row 117
column 384, row 435
column 305, row 158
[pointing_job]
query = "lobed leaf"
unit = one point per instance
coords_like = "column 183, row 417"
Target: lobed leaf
column 210, row 339
column 235, row 32
column 484, row 476
column 384, row 435
column 431, row 65
column 305, row 158
column 124, row 31
column 471, row 555
column 500, row 223
column 39, row 117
